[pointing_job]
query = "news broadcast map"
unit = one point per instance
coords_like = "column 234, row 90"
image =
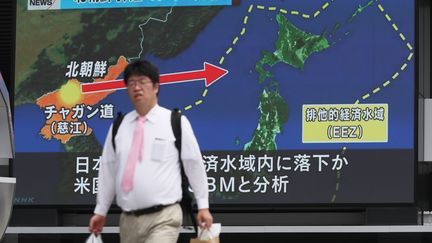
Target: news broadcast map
column 301, row 92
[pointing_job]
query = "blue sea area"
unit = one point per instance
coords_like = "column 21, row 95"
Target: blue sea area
column 363, row 54
column 28, row 121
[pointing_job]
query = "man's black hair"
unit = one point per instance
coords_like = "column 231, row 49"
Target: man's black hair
column 141, row 67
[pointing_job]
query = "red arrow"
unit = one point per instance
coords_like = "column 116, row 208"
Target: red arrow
column 210, row 74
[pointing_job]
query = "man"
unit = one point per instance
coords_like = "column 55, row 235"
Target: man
column 143, row 171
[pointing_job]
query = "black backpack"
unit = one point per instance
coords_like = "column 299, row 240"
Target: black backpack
column 186, row 203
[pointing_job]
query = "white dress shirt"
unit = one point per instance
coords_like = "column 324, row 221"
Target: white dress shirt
column 157, row 177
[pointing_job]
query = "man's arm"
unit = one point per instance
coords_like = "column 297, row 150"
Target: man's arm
column 195, row 172
column 106, row 186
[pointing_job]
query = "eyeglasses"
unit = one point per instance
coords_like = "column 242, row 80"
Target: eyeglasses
column 139, row 82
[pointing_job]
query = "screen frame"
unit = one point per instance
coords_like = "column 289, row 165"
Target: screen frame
column 263, row 207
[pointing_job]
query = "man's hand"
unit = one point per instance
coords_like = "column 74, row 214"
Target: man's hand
column 96, row 224
column 204, row 218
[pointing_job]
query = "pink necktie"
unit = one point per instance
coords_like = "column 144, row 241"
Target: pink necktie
column 135, row 154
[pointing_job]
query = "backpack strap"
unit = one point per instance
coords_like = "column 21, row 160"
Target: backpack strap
column 176, row 127
column 187, row 201
column 115, row 128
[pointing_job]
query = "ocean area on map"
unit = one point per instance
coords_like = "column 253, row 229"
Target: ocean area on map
column 228, row 115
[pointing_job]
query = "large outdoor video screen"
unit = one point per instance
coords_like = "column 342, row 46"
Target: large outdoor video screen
column 292, row 102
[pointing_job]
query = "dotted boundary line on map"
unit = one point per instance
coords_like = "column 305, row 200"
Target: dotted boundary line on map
column 338, row 176
column 243, row 32
column 297, row 13
column 385, row 83
column 227, row 52
column 403, row 66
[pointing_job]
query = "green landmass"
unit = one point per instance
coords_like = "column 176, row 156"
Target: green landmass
column 269, row 59
column 293, row 47
column 96, row 35
column 237, row 140
column 83, row 144
column 335, row 28
column 37, row 30
column 273, row 114
column 102, row 35
column 359, row 10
